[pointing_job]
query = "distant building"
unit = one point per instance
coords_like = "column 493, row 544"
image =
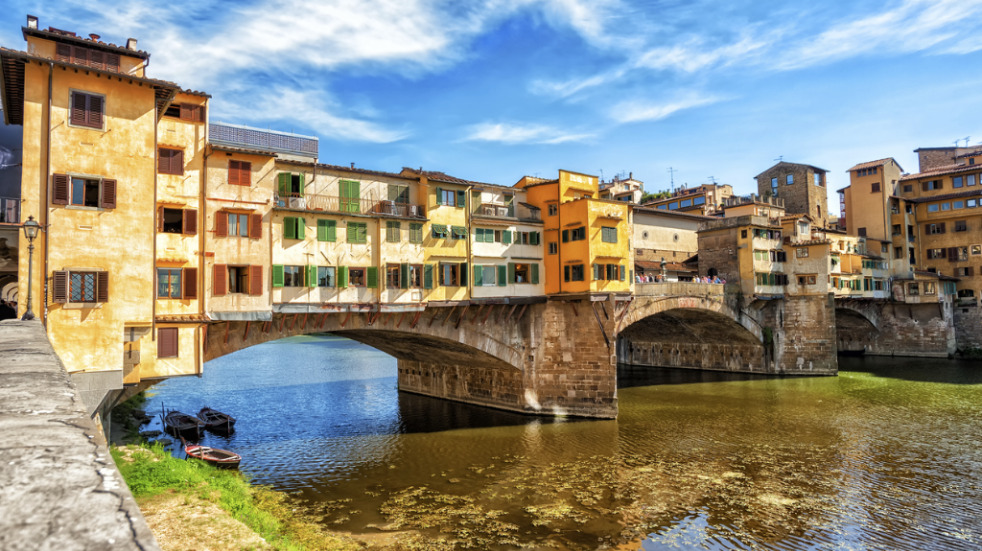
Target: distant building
column 803, row 188
column 706, row 199
column 627, row 190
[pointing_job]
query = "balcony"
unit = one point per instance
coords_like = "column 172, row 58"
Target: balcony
column 495, row 210
column 9, row 210
column 332, row 203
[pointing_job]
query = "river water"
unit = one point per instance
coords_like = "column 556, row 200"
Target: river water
column 888, row 455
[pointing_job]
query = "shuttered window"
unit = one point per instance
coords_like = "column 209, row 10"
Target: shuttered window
column 79, row 287
column 239, row 173
column 357, row 232
column 80, row 55
column 219, row 282
column 393, row 231
column 83, row 191
column 167, row 342
column 293, row 228
column 86, row 110
column 415, row 233
column 170, row 161
column 327, row 230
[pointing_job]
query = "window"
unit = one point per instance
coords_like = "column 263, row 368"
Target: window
column 553, row 209
column 896, row 229
column 238, row 224
column 239, row 173
column 701, row 200
column 553, row 247
column 399, row 194
column 957, row 181
column 242, row 279
column 934, row 229
column 292, row 185
column 963, row 272
column 486, row 276
column 238, row 279
column 184, row 221
column 934, row 254
column 789, row 179
column 327, row 230
column 958, row 205
column 326, row 276
column 170, row 161
column 875, row 187
column 898, row 252
column 357, row 277
column 393, row 231
column 349, row 194
column 89, row 57
column 392, row 276
column 232, row 224
column 440, row 231
column 573, row 272
column 801, row 252
column 452, row 274
column 945, row 206
column 293, row 276
column 83, row 191
column 293, row 227
column 186, row 112
column 743, row 234
column 970, row 180
column 608, row 234
column 486, row 235
column 415, row 233
column 913, row 289
column 774, row 186
column 685, row 203
column 86, row 110
column 416, row 276
column 169, row 282
column 450, row 197
column 818, row 179
column 908, row 188
column 807, row 280
column 71, row 286
column 575, row 234
column 971, row 203
column 929, row 288
column 519, row 273
column 933, row 207
column 674, row 205
column 931, row 185
column 358, row 232
column 961, row 225
column 976, row 250
column 167, row 342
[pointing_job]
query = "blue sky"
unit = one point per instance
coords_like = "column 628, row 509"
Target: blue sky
column 493, row 90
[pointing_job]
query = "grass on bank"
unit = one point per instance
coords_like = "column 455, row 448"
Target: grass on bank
column 153, row 475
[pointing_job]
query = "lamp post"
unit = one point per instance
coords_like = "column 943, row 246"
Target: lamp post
column 31, row 228
column 664, row 272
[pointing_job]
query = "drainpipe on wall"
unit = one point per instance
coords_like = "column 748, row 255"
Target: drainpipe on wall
column 467, row 243
column 47, row 196
column 202, row 331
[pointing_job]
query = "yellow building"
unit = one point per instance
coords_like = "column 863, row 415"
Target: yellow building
column 91, row 124
column 587, row 240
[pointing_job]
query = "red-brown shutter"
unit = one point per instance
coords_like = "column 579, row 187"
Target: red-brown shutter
column 968, row 271
column 80, row 55
column 97, row 59
column 941, row 227
column 199, row 114
column 59, row 287
column 190, row 282
column 63, row 52
column 160, row 219
column 77, row 114
column 952, row 254
column 256, row 280
column 108, row 193
column 187, row 112
column 112, row 62
column 102, row 287
column 255, row 226
column 177, row 162
column 190, row 221
column 167, row 342
column 245, row 173
column 94, row 111
column 233, row 173
column 59, row 189
column 219, row 284
column 221, row 223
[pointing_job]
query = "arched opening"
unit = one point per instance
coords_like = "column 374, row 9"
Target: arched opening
column 690, row 338
column 854, row 333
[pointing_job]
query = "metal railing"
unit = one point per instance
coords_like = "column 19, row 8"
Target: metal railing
column 333, row 203
column 266, row 140
column 679, row 288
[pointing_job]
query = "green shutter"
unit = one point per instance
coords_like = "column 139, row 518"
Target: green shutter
column 596, row 272
column 363, row 233
column 534, row 238
column 506, row 237
column 284, row 182
column 342, row 277
column 511, row 272
column 301, row 224
column 463, row 274
column 352, row 232
column 461, row 198
column 311, row 276
column 535, row 273
column 301, row 183
column 566, row 272
column 289, row 229
column 478, row 275
column 439, row 195
column 327, row 230
column 623, row 273
column 404, row 275
column 277, row 275
column 565, row 236
column 502, row 275
column 372, row 278
column 428, row 276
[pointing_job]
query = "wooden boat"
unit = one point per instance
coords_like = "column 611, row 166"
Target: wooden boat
column 182, row 425
column 216, row 421
column 223, row 459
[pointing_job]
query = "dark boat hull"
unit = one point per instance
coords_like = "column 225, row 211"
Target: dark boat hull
column 223, row 459
column 216, row 421
column 180, row 425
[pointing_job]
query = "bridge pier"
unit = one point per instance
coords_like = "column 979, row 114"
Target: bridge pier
column 800, row 335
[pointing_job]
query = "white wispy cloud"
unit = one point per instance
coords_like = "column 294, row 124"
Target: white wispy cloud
column 513, row 134
column 637, row 110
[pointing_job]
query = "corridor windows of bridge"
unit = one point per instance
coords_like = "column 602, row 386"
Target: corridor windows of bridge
column 293, row 228
column 393, row 231
column 573, row 272
column 327, row 230
column 394, row 278
column 961, row 225
column 608, row 234
column 945, row 206
column 933, row 207
column 326, row 276
column 240, row 173
column 357, row 277
column 167, row 342
column 957, row 181
column 70, row 286
column 293, row 276
column 929, row 288
column 486, row 276
column 934, row 229
column 972, row 203
column 439, row 231
column 415, row 233
column 357, row 233
column 807, row 279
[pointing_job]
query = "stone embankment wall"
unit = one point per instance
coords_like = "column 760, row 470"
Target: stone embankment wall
column 968, row 328
column 59, row 487
column 899, row 329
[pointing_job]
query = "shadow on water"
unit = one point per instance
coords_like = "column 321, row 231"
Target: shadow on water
column 921, row 370
column 422, row 414
column 636, row 375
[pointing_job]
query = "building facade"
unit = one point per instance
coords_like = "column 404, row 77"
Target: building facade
column 802, row 187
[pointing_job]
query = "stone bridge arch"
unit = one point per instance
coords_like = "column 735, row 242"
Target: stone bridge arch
column 857, row 326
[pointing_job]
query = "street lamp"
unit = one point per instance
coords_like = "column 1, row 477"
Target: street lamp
column 31, row 228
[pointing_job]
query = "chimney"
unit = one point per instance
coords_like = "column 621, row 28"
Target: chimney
column 32, row 22
column 131, row 44
column 352, row 165
column 94, row 36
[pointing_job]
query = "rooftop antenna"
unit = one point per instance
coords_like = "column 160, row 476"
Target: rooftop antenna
column 780, row 158
column 671, row 172
column 967, row 138
column 601, row 175
column 713, row 180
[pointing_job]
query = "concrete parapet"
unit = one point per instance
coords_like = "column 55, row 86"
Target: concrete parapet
column 59, row 487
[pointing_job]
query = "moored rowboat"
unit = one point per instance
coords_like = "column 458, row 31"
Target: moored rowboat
column 222, row 459
column 216, row 421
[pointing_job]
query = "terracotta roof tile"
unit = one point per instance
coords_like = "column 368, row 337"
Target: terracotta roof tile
column 941, row 171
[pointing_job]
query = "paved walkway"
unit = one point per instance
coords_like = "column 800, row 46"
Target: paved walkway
column 59, row 487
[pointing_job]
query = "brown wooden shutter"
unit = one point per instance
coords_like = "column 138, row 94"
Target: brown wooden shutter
column 94, row 112
column 255, row 226
column 60, row 189
column 77, row 114
column 199, row 114
column 160, row 219
column 59, row 287
column 190, row 221
column 63, row 52
column 80, row 55
column 97, row 59
column 167, row 342
column 245, row 176
column 941, row 227
column 186, row 112
column 177, row 161
column 102, row 287
column 108, row 193
column 256, row 280
column 219, row 285
column 190, row 282
column 112, row 62
column 952, row 254
column 221, row 223
column 968, row 271
column 233, row 173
